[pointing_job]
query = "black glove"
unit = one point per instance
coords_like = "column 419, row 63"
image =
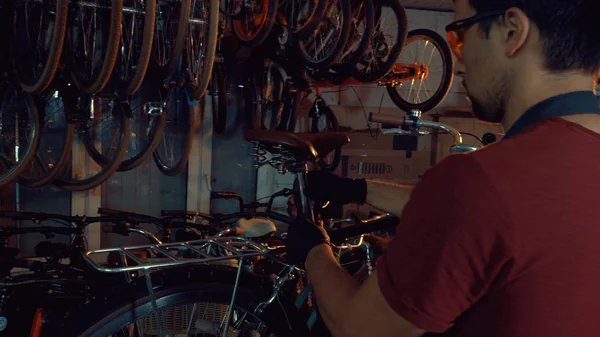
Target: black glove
column 326, row 186
column 302, row 236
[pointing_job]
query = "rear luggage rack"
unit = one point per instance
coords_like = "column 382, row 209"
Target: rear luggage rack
column 176, row 254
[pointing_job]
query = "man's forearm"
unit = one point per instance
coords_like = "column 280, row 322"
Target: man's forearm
column 386, row 196
column 328, row 277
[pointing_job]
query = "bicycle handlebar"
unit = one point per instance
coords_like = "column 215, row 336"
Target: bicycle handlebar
column 405, row 121
column 360, row 227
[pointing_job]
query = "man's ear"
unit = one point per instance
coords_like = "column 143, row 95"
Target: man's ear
column 516, row 28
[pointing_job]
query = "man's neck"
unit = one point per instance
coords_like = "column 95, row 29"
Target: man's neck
column 528, row 92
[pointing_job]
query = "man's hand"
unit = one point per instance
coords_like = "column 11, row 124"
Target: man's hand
column 302, row 236
column 327, row 186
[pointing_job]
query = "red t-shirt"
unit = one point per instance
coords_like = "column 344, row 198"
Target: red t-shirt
column 504, row 241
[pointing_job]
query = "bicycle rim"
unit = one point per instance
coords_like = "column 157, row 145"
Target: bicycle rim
column 173, row 151
column 255, row 21
column 382, row 54
column 135, row 45
column 189, row 309
column 87, row 74
column 56, row 139
column 11, row 143
column 170, row 35
column 36, row 68
column 146, row 131
column 73, row 181
column 202, row 45
column 412, row 98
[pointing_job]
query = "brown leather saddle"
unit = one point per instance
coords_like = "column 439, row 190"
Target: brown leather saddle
column 312, row 145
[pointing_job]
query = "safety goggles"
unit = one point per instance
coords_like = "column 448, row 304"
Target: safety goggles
column 456, row 30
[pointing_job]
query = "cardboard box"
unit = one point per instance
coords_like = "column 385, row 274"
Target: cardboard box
column 397, row 168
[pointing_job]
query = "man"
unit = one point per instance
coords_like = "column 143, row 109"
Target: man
column 503, row 241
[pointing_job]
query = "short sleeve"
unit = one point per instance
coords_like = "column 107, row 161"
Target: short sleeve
column 449, row 247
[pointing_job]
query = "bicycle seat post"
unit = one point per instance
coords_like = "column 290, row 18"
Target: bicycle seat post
column 302, row 201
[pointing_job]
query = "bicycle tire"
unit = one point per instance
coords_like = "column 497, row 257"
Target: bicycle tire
column 106, row 316
column 110, row 56
column 334, row 56
column 180, row 166
column 333, row 125
column 395, row 51
column 198, row 91
column 256, row 39
column 73, row 185
column 145, row 51
column 219, row 108
column 54, row 53
column 345, row 65
column 314, row 20
column 13, row 173
column 135, row 161
column 447, row 77
column 167, row 70
column 60, row 165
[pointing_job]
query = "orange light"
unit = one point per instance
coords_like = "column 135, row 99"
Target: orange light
column 38, row 320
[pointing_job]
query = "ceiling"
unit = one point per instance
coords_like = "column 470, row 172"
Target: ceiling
column 440, row 5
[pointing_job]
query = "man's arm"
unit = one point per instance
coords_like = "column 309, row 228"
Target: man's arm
column 388, row 197
column 450, row 247
column 350, row 309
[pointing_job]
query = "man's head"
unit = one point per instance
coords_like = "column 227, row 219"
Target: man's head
column 500, row 42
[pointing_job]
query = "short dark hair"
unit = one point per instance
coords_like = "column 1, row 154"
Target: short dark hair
column 569, row 29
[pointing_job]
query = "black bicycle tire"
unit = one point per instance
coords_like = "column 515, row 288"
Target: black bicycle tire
column 145, row 51
column 187, row 148
column 106, row 171
column 219, row 112
column 13, row 174
column 61, row 164
column 385, row 68
column 290, row 106
column 313, row 22
column 100, row 318
column 448, row 76
column 364, row 42
column 139, row 158
column 180, row 39
column 110, row 56
column 264, row 31
column 337, row 153
column 55, row 51
column 198, row 91
column 337, row 50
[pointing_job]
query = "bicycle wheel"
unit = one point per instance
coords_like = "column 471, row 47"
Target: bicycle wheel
column 324, row 47
column 201, row 45
column 436, row 69
column 387, row 41
column 253, row 24
column 103, row 120
column 37, row 41
column 173, row 151
column 269, row 101
column 188, row 307
column 93, row 42
column 20, row 135
column 172, row 20
column 361, row 31
column 56, row 143
column 147, row 126
column 219, row 98
column 323, row 120
column 135, row 44
column 303, row 16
